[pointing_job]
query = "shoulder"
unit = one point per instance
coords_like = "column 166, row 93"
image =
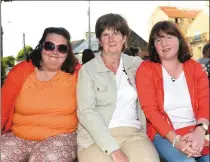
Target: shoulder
column 22, row 67
column 193, row 64
column 132, row 61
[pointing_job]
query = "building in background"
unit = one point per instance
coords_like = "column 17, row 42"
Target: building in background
column 198, row 33
column 182, row 17
column 194, row 24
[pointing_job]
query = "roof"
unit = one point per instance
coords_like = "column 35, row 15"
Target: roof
column 76, row 43
column 179, row 12
column 84, row 45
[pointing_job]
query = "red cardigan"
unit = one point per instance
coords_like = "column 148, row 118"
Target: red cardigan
column 10, row 91
column 149, row 82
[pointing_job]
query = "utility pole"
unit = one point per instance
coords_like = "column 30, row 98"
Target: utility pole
column 89, row 29
column 24, row 46
column 2, row 42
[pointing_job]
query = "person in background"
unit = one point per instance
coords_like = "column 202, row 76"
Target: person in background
column 205, row 60
column 174, row 95
column 87, row 55
column 39, row 118
column 112, row 126
column 206, row 54
column 128, row 52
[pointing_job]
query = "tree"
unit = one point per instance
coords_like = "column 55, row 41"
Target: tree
column 3, row 71
column 21, row 56
column 9, row 61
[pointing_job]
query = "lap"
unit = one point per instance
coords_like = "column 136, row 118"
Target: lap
column 140, row 149
column 14, row 148
column 56, row 148
column 92, row 154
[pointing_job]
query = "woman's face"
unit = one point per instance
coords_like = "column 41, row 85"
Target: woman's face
column 112, row 41
column 167, row 46
column 54, row 51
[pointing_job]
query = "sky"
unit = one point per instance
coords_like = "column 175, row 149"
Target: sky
column 32, row 17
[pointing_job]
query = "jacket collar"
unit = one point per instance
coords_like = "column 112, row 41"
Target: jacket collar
column 101, row 67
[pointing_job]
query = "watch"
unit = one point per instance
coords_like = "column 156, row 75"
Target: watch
column 203, row 125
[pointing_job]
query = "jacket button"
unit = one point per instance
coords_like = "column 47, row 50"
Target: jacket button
column 106, row 151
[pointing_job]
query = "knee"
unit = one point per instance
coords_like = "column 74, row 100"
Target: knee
column 48, row 154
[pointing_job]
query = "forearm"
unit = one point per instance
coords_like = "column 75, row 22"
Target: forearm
column 171, row 136
column 203, row 120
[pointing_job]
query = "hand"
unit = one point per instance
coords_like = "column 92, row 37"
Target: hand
column 197, row 137
column 185, row 147
column 119, row 156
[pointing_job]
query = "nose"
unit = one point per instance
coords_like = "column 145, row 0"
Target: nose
column 163, row 42
column 111, row 36
column 55, row 51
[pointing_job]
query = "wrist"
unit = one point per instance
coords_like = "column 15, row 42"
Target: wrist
column 176, row 140
column 200, row 130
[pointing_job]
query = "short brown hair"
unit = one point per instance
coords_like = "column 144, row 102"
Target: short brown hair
column 111, row 21
column 171, row 28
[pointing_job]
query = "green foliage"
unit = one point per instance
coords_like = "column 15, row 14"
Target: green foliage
column 20, row 55
column 9, row 61
column 3, row 71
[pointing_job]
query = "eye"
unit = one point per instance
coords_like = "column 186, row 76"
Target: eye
column 104, row 34
column 117, row 32
column 157, row 40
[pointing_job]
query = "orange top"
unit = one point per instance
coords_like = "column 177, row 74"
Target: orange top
column 11, row 89
column 149, row 83
column 45, row 109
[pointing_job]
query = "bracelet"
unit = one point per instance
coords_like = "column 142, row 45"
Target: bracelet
column 175, row 140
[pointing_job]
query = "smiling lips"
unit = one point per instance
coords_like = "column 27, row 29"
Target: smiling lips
column 166, row 50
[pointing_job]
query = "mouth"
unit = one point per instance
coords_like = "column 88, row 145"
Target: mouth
column 166, row 50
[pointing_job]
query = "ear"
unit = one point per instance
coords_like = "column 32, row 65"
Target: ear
column 125, row 39
column 99, row 42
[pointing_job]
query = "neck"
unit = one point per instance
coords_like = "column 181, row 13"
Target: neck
column 48, row 69
column 111, row 61
column 171, row 64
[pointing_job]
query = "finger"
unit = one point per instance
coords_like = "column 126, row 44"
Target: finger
column 189, row 149
column 186, row 146
column 194, row 145
column 185, row 137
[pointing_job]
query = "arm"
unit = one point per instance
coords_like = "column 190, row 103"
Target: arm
column 147, row 93
column 203, row 96
column 88, row 116
column 8, row 95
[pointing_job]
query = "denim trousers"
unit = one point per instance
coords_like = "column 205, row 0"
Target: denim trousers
column 171, row 154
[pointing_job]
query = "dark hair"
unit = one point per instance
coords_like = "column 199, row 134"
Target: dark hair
column 70, row 62
column 87, row 55
column 134, row 50
column 206, row 48
column 111, row 21
column 128, row 52
column 170, row 28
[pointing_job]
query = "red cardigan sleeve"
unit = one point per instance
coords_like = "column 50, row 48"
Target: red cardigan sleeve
column 8, row 95
column 147, row 93
column 203, row 93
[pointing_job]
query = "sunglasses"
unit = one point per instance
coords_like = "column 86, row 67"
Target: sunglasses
column 49, row 46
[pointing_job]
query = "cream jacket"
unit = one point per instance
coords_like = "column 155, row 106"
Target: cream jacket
column 96, row 99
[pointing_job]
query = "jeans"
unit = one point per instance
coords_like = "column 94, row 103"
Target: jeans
column 171, row 154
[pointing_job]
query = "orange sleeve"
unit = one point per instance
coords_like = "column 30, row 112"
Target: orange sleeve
column 8, row 95
column 147, row 93
column 203, row 94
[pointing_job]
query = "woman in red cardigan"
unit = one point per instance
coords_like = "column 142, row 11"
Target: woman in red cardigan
column 174, row 95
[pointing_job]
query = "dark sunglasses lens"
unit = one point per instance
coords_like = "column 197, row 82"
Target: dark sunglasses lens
column 63, row 48
column 49, row 46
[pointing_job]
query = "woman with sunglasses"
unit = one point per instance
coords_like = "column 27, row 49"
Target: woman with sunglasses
column 112, row 126
column 39, row 117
